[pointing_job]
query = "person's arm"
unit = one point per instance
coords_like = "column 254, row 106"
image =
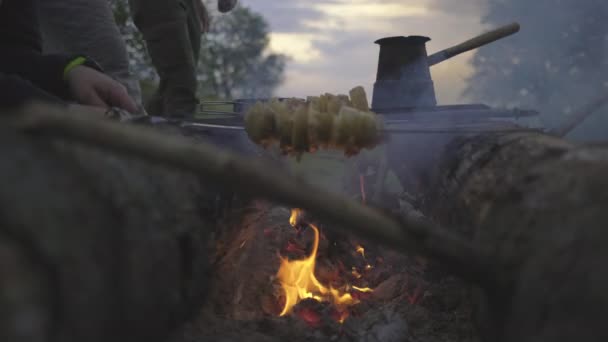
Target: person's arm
column 66, row 77
column 21, row 55
column 16, row 91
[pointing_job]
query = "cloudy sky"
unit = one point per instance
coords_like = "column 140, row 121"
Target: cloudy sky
column 331, row 41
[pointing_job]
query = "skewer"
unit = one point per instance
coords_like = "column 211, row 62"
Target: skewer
column 446, row 130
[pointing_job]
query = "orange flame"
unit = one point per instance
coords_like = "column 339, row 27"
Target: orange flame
column 295, row 214
column 363, row 289
column 297, row 277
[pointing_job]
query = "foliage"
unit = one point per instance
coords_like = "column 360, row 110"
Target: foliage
column 557, row 63
column 139, row 59
column 234, row 60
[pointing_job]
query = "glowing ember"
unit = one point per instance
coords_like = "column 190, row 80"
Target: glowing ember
column 368, row 267
column 297, row 277
column 309, row 316
column 362, row 289
column 339, row 316
column 293, row 247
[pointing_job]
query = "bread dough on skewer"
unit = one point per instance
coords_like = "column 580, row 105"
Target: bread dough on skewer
column 327, row 121
column 359, row 99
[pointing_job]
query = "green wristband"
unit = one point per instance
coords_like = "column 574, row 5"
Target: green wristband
column 74, row 63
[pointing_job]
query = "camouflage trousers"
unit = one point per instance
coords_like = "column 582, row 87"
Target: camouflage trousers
column 172, row 31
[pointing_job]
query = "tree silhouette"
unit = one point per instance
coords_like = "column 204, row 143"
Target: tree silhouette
column 235, row 61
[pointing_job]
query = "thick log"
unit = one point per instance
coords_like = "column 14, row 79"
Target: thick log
column 97, row 247
column 541, row 205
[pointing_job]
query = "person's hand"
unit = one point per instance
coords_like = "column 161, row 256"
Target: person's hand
column 91, row 87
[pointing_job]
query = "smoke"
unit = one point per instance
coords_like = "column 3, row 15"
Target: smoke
column 556, row 64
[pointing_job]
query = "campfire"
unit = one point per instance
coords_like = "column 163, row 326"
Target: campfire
column 285, row 275
column 298, row 280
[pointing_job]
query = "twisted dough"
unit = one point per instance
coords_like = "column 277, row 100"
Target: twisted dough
column 327, row 121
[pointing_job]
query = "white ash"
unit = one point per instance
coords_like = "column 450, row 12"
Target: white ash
column 382, row 325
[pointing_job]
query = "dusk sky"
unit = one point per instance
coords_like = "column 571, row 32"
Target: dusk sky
column 331, row 41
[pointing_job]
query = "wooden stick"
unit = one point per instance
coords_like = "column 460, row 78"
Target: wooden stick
column 474, row 43
column 581, row 115
column 258, row 180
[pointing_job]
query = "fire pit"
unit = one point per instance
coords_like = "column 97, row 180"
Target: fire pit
column 281, row 276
